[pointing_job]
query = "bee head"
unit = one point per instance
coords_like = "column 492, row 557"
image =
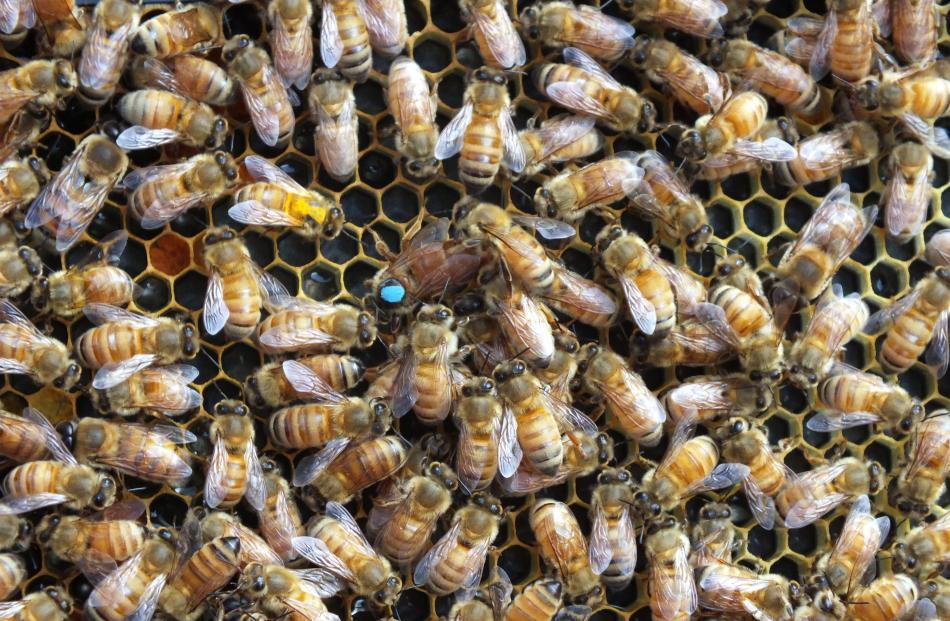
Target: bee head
column 868, row 94
column 487, row 74
column 691, row 146
column 105, row 496
column 69, row 377
column 39, row 169
column 608, row 235
column 423, row 168
column 605, row 448
column 389, row 592
column 333, row 224
column 234, row 46
column 382, row 415
column 61, row 598
column 698, row 239
column 66, row 80
column 647, row 505
column 715, row 511
column 530, row 19
column 640, row 51
column 367, row 329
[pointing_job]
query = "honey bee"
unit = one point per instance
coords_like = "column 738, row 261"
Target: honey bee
column 711, row 400
column 159, row 194
column 498, row 41
column 731, row 128
column 670, row 578
column 889, row 598
column 563, row 547
column 16, row 20
column 737, row 590
column 584, row 87
column 160, row 117
column 123, row 343
column 729, row 163
column 12, row 574
column 50, row 604
column 301, row 324
column 413, row 106
column 924, row 549
column 908, row 193
column 19, row 269
column 162, row 390
column 359, row 466
column 386, row 26
column 808, row 496
column 64, row 26
column 524, row 322
column 922, row 481
column 613, row 541
column 16, row 533
column 59, row 481
column 193, row 77
column 269, row 386
column 632, row 407
column 254, row 549
column 562, row 138
column 105, row 51
column 937, row 250
column 95, row 542
column 77, row 192
column 854, row 398
column 456, row 560
column 333, row 109
column 583, row 453
column 571, row 194
column 845, row 45
column 291, row 40
column 483, row 132
column 25, row 350
column 827, row 154
column 344, row 39
column 917, row 319
column 280, row 518
column 488, row 441
column 209, row 569
column 855, row 549
column 265, row 98
column 539, row 601
column 281, row 592
column 914, row 31
column 28, row 437
column 234, row 469
column 406, row 521
column 95, row 278
column 700, row 19
column 23, row 132
column 559, row 374
column 36, row 85
column 188, row 28
column 690, row 344
column 561, row 24
column 687, row 79
column 714, row 536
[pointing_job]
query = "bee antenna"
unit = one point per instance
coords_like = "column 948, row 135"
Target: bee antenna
column 518, row 355
column 523, row 193
column 351, row 235
column 605, row 5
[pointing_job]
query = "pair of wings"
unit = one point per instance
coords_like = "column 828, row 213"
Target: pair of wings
column 558, row 133
column 729, row 593
column 504, row 435
column 14, row 339
column 267, row 102
column 810, row 508
column 378, row 18
column 474, row 559
column 452, row 137
column 15, row 13
column 499, row 34
column 178, row 396
column 165, row 206
column 282, row 339
column 216, row 312
column 722, row 476
column 600, row 550
column 115, row 373
column 860, row 539
column 333, row 571
column 907, row 197
column 104, row 53
column 336, row 138
column 632, row 397
column 153, row 443
column 256, row 213
column 671, row 583
column 696, row 17
column 293, row 51
column 217, row 484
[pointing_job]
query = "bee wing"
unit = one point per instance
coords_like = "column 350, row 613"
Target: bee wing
column 761, row 505
column 577, row 291
column 307, row 610
column 54, row 442
column 315, row 551
column 116, row 373
column 11, row 314
column 339, row 513
column 514, row 157
column 13, row 100
column 266, row 114
column 158, row 75
column 323, row 583
column 681, row 434
column 215, row 483
column 924, row 452
column 548, row 228
column 580, row 59
column 256, row 492
column 907, row 202
column 819, row 63
column 100, row 314
column 282, row 338
column 832, row 420
column 216, row 312
column 714, row 318
column 722, row 476
column 160, row 212
column 405, row 393
column 124, row 510
column 10, row 17
column 924, row 610
column 525, row 481
column 9, row 610
column 675, row 590
column 293, row 53
column 571, row 95
column 822, row 222
column 509, row 449
column 451, row 138
column 936, row 355
column 804, row 512
column 436, row 554
column 827, row 151
column 691, row 397
column 176, row 468
column 14, row 505
column 312, row 465
column 145, row 609
column 304, row 380
column 331, row 44
column 856, row 541
column 107, row 251
column 77, row 217
column 695, row 18
column 138, row 137
column 261, row 169
column 530, row 324
column 599, row 551
column 568, row 416
column 934, row 138
column 500, row 35
column 102, row 53
column 106, row 592
column 885, row 317
column 383, row 21
column 96, row 566
column 256, row 213
column 770, row 150
column 731, row 592
column 643, row 400
column 642, row 311
column 14, row 367
column 55, row 194
column 561, row 132
column 599, row 31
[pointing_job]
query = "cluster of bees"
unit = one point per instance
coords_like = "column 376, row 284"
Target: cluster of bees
column 475, row 313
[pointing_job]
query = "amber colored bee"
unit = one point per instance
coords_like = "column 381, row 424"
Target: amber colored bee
column 837, row 320
column 269, row 386
column 889, row 598
column 386, row 26
column 19, row 270
column 265, row 97
column 162, row 390
column 333, row 109
column 539, row 601
column 150, row 453
column 853, row 398
column 914, row 96
column 561, row 24
column 584, row 87
column 700, row 19
column 16, row 533
column 159, row 194
column 50, row 604
column 483, row 132
column 25, row 350
column 67, row 205
column 613, row 541
column 35, row 85
column 735, row 590
column 922, row 480
column 909, row 187
column 808, row 496
column 94, row 542
column 300, row 324
column 254, row 549
column 105, row 52
column 710, row 400
column 563, row 138
column 63, row 27
column 914, row 30
column 189, row 28
column 498, row 42
column 855, row 549
column 344, row 39
column 924, row 549
column 359, row 466
column 562, row 546
column 487, row 435
column 62, row 480
column 571, row 194
column 234, row 470
column 685, row 77
column 193, row 77
column 23, row 132
column 291, row 39
column 209, row 569
column 279, row 520
column 526, row 324
column 690, row 344
column 670, row 578
column 633, row 409
column 413, row 106
column 845, row 45
column 456, row 560
column 159, row 117
column 12, row 574
column 279, row 592
column 919, row 318
column 714, row 536
column 729, row 163
column 123, row 343
column 584, row 452
column 95, row 278
column 827, row 154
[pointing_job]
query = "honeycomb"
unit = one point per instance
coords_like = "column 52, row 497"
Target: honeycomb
column 749, row 214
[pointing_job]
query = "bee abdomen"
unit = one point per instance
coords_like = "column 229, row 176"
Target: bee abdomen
column 243, row 299
column 435, row 393
column 357, row 57
column 539, row 437
column 301, row 426
column 906, row 341
column 12, row 573
column 235, row 480
column 481, row 153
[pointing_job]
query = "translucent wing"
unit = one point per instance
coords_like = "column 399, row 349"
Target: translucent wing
column 145, row 609
column 55, row 195
column 451, row 138
column 160, row 76
column 577, row 291
column 599, row 551
column 305, row 381
column 675, row 590
column 509, row 449
column 829, row 421
column 578, row 58
column 771, row 149
column 280, row 338
column 339, row 513
column 138, row 137
column 266, row 114
column 113, row 585
column 885, row 317
column 331, row 45
column 642, row 311
column 548, row 228
column 10, row 610
column 262, row 169
column 436, row 554
column 561, row 132
column 312, row 465
column 103, row 52
column 937, row 353
column 572, row 96
column 293, row 53
column 54, row 442
column 762, row 506
column 116, row 373
column 722, row 476
column 12, row 505
column 500, row 35
column 907, row 202
column 216, row 481
column 859, row 540
column 9, row 16
column 568, row 416
column 256, row 492
column 384, row 23
column 530, row 325
column 323, row 583
column 731, row 591
column 405, row 393
column 256, row 213
column 100, row 314
column 714, row 318
column 596, row 30
column 805, row 512
column 216, row 312
column 818, row 66
column 514, row 157
column 697, row 19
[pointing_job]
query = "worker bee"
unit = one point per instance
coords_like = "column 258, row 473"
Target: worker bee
column 799, row 38
column 584, row 87
column 162, row 390
column 488, row 441
column 254, row 549
column 711, row 400
column 889, row 598
column 700, row 19
column 63, row 27
column 808, row 496
column 29, row 437
column 280, row 592
column 922, row 480
column 19, row 269
column 36, row 85
column 908, row 193
column 498, row 41
column 827, row 154
column 301, row 324
column 737, row 590
column 20, row 181
column 25, row 350
column 405, row 520
column 922, row 551
column 837, row 320
column 344, row 39
column 265, row 98
column 670, row 578
column 159, row 194
column 855, row 549
column 633, row 409
column 12, row 574
column 571, row 194
column 291, row 40
column 123, row 343
column 456, row 560
column 852, row 398
column 483, row 132
column 732, row 128
column 687, row 79
column 95, row 542
column 563, row 547
column 563, row 138
column 917, row 319
column 50, row 604
column 715, row 538
column 105, row 52
column 189, row 28
column 16, row 533
column 690, row 344
column 191, row 76
column 561, row 24
column 363, row 464
column 583, row 452
column 613, row 541
column 845, row 45
column 235, row 468
column 160, row 117
column 206, row 571
column 59, row 481
column 333, row 109
column 413, row 106
column 914, row 31
column 729, row 163
column 525, row 323
column 77, row 192
column 560, row 373
column 269, row 386
column 279, row 520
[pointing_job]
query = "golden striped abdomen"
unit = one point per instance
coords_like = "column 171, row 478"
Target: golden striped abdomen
column 360, row 466
column 12, row 574
column 112, row 342
column 481, row 152
column 929, row 96
column 106, row 284
column 657, row 290
column 695, row 460
column 539, row 436
column 154, row 109
column 435, row 392
column 357, row 57
column 36, row 477
column 851, row 53
column 20, row 441
column 481, row 465
column 242, row 296
column 908, row 337
column 303, row 426
column 743, row 313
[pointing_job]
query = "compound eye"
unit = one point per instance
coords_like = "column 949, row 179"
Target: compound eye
column 219, row 158
column 219, row 124
column 481, row 75
column 623, row 476
column 443, row 314
column 467, row 391
column 755, row 376
column 777, row 375
column 518, row 368
column 62, row 80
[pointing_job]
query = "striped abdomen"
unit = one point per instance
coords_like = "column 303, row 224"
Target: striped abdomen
column 551, row 522
column 12, row 574
column 268, row 194
column 657, row 290
column 153, row 109
column 208, row 569
column 481, row 152
column 909, row 336
column 242, row 296
column 539, row 437
column 536, row 272
column 551, row 74
column 357, row 57
column 450, row 574
column 624, row 560
column 540, row 600
column 914, row 30
column 851, row 53
column 743, row 313
column 480, row 464
column 106, row 284
column 928, row 95
column 885, row 599
column 113, row 342
column 694, row 461
column 846, row 393
column 741, row 116
column 123, row 600
column 159, row 192
column 292, row 322
column 15, row 343
column 36, row 477
column 236, row 479
column 404, row 543
column 435, row 392
column 766, row 470
column 343, row 544
column 118, row 540
column 360, row 466
column 20, row 440
column 303, row 426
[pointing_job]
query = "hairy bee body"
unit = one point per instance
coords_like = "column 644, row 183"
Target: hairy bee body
column 923, row 550
column 16, row 533
column 231, row 265
column 827, row 154
column 43, row 358
column 83, row 486
column 254, row 549
column 761, row 340
column 914, row 30
column 345, row 327
column 862, row 392
column 478, row 414
column 697, row 18
column 356, row 58
column 538, row 432
column 21, row 179
column 483, row 143
column 75, row 539
column 563, row 138
column 279, row 593
column 269, row 386
column 234, row 470
column 117, row 341
column 690, row 344
column 923, row 479
column 852, row 51
column 333, row 108
column 148, row 453
column 562, row 546
column 315, row 211
column 740, row 117
column 280, row 519
column 907, row 198
column 807, row 497
column 671, row 582
column 208, row 569
column 46, row 81
column 414, row 108
column 67, row 292
column 836, row 321
column 12, row 574
column 691, row 462
column 21, row 440
column 611, row 505
column 690, row 82
column 188, row 29
column 195, row 124
column 360, row 466
column 192, row 76
column 886, row 599
column 104, row 54
column 120, row 594
column 50, row 604
column 314, row 424
column 63, row 26
column 562, row 24
column 914, row 327
column 572, row 193
column 665, row 198
column 159, row 390
column 749, row 444
column 711, row 400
